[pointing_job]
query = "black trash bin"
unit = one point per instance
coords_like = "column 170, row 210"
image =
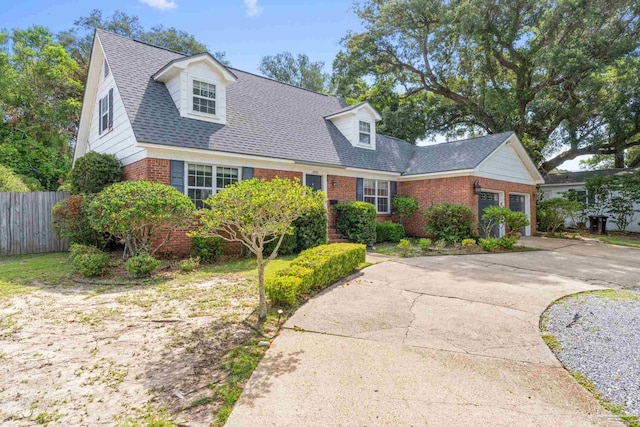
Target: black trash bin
column 598, row 224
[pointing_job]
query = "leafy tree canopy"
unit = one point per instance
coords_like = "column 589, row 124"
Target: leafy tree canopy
column 295, row 70
column 542, row 69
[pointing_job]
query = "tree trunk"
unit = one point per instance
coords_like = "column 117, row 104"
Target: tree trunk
column 619, row 159
column 262, row 307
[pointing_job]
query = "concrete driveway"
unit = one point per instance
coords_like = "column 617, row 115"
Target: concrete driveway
column 438, row 341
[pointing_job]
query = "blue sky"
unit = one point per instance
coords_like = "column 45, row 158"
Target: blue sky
column 245, row 29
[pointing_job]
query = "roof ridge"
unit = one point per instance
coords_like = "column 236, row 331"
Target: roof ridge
column 467, row 139
column 206, row 51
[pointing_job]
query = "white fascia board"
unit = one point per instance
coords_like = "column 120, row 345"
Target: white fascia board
column 435, row 175
column 568, row 184
column 355, row 110
column 178, row 65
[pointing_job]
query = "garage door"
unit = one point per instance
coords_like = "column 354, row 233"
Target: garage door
column 517, row 204
column 486, row 200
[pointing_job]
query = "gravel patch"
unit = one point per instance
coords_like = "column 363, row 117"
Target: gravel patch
column 599, row 335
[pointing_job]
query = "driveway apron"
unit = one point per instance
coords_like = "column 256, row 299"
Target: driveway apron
column 438, row 341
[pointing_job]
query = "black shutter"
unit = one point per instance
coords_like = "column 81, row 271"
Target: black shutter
column 110, row 108
column 394, row 189
column 359, row 189
column 247, row 173
column 99, row 116
column 177, row 175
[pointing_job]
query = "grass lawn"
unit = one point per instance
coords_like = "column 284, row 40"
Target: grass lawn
column 172, row 350
column 621, row 240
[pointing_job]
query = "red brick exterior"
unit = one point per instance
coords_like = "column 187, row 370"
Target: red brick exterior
column 458, row 190
column 343, row 189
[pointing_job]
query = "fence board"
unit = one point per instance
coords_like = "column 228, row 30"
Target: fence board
column 25, row 223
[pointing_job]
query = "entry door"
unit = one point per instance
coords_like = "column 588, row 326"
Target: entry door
column 314, row 181
column 486, row 200
column 517, row 204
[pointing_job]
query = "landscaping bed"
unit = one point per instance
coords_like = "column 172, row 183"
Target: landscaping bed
column 392, row 249
column 596, row 336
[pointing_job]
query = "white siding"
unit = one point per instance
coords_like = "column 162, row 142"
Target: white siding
column 554, row 191
column 506, row 165
column 120, row 140
column 345, row 126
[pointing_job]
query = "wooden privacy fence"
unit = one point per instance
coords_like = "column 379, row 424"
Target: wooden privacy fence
column 25, row 223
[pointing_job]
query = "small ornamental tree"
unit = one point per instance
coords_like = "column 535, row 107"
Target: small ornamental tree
column 256, row 212
column 141, row 214
column 93, row 172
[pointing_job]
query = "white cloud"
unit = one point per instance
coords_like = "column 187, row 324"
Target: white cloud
column 253, row 9
column 161, row 4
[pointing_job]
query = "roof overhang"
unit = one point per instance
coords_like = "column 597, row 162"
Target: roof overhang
column 354, row 110
column 178, row 65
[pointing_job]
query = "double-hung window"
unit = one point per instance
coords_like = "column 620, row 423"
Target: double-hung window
column 365, row 133
column 105, row 112
column 204, row 97
column 377, row 193
column 201, row 183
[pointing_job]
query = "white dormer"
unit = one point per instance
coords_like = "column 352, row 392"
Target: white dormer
column 198, row 86
column 358, row 124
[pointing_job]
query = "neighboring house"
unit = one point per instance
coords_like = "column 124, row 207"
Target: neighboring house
column 556, row 184
column 197, row 125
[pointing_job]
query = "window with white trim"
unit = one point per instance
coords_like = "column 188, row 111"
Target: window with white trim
column 204, row 97
column 377, row 193
column 365, row 133
column 104, row 114
column 201, row 183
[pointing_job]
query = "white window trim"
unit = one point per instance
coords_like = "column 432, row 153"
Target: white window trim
column 214, row 179
column 376, row 197
column 370, row 133
column 193, row 78
column 108, row 129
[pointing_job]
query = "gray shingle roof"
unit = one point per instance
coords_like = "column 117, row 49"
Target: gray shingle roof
column 268, row 118
column 581, row 176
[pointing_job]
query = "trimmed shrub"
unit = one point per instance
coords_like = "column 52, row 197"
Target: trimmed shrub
column 141, row 265
column 449, row 221
column 356, row 221
column 141, row 214
column 329, row 263
column 10, row 181
column 283, row 290
column 206, row 248
column 287, row 247
column 388, row 231
column 88, row 260
column 551, row 214
column 424, row 244
column 405, row 248
column 189, row 264
column 469, row 243
column 489, row 244
column 311, row 229
column 507, row 242
column 404, row 206
column 93, row 172
column 71, row 222
column 303, row 273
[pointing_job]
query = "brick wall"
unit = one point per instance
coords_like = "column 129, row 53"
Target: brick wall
column 274, row 173
column 458, row 190
column 149, row 169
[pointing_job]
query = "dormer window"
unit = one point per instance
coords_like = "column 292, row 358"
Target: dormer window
column 204, row 97
column 365, row 133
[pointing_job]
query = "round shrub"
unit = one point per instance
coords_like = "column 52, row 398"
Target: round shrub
column 88, row 260
column 425, row 245
column 449, row 221
column 405, row 248
column 11, row 182
column 507, row 242
column 404, row 206
column 283, row 290
column 489, row 244
column 141, row 214
column 356, row 221
column 141, row 265
column 311, row 229
column 469, row 243
column 206, row 248
column 93, row 172
column 71, row 222
column 388, row 231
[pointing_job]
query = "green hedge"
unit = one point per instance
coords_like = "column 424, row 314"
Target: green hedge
column 388, row 231
column 356, row 221
column 287, row 247
column 206, row 248
column 450, row 222
column 314, row 268
column 309, row 231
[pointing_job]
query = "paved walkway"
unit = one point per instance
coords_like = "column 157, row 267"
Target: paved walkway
column 438, row 341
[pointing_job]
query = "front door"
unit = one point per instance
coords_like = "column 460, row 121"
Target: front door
column 314, row 181
column 517, row 204
column 485, row 200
